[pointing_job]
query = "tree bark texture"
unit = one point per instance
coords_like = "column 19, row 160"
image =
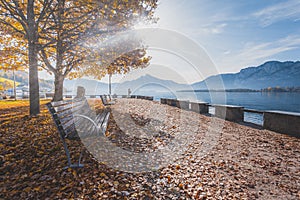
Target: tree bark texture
column 33, row 61
column 59, row 85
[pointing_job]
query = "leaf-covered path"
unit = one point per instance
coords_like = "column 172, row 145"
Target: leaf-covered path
column 32, row 160
column 246, row 164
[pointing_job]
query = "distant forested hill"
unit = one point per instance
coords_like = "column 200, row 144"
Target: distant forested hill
column 270, row 74
column 22, row 78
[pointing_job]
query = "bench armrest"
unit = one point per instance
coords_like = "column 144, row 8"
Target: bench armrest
column 89, row 119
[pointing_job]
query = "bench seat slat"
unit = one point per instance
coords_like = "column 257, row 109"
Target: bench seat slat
column 105, row 123
column 100, row 117
column 62, row 115
column 66, row 107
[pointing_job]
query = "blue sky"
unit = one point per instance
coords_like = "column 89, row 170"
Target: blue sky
column 233, row 34
column 237, row 34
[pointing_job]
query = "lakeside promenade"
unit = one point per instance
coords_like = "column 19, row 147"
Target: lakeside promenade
column 222, row 159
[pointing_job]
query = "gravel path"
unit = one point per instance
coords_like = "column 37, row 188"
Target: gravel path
column 168, row 153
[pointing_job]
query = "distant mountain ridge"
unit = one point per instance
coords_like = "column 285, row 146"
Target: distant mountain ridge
column 22, row 78
column 269, row 74
column 91, row 86
column 149, row 83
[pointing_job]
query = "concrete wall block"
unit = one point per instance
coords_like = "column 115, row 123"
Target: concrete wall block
column 231, row 113
column 163, row 101
column 169, row 102
column 282, row 122
column 201, row 108
column 184, row 105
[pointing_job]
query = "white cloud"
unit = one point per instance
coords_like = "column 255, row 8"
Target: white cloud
column 213, row 28
column 281, row 11
column 226, row 52
column 254, row 53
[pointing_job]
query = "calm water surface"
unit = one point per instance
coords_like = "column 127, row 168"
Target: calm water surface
column 283, row 101
column 262, row 101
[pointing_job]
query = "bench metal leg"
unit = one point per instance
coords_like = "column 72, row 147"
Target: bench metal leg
column 74, row 166
column 81, row 153
column 70, row 165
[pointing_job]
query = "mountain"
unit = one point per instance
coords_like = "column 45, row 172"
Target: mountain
column 8, row 81
column 269, row 74
column 91, row 86
column 148, row 84
column 22, row 79
column 143, row 85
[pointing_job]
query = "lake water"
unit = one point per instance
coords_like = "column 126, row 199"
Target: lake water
column 262, row 101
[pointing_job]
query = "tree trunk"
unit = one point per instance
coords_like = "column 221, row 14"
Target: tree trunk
column 33, row 61
column 15, row 92
column 33, row 81
column 59, row 78
column 59, row 85
column 109, row 84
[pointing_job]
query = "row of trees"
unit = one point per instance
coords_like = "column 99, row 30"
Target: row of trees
column 281, row 89
column 60, row 36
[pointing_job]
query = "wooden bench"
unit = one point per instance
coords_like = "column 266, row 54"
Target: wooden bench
column 75, row 120
column 105, row 101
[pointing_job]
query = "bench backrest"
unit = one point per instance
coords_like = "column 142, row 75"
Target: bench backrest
column 62, row 113
column 104, row 100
